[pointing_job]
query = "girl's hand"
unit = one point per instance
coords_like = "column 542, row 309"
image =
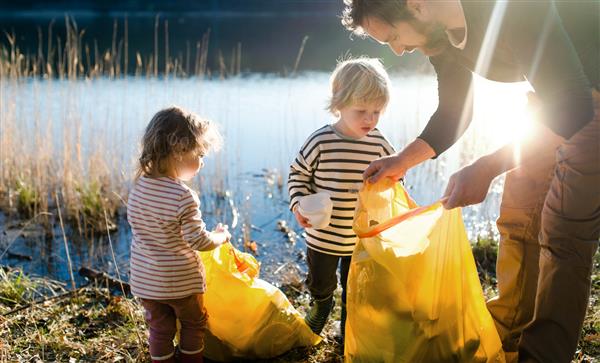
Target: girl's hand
column 223, row 230
column 303, row 221
column 221, row 227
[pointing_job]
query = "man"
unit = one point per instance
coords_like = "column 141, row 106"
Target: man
column 550, row 213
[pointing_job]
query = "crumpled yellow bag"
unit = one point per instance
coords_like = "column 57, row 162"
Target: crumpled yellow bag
column 247, row 317
column 413, row 290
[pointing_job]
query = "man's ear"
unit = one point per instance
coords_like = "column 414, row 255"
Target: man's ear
column 419, row 9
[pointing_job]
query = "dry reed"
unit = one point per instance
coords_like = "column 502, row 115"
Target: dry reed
column 30, row 171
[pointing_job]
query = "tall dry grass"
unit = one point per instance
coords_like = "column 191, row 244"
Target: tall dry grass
column 35, row 170
column 77, row 57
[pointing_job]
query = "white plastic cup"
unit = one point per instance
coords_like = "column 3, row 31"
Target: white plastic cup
column 317, row 209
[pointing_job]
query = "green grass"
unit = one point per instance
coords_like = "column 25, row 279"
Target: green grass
column 93, row 325
column 589, row 344
column 13, row 287
column 28, row 198
column 93, row 201
column 485, row 251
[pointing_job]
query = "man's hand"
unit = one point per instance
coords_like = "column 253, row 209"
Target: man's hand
column 303, row 221
column 395, row 166
column 469, row 185
column 387, row 166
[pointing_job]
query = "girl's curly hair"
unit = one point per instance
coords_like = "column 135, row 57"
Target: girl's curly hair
column 174, row 131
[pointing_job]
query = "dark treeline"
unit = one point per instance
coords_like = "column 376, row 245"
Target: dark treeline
column 226, row 36
column 256, row 6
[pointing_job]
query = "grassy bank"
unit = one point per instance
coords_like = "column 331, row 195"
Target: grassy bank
column 88, row 324
column 42, row 320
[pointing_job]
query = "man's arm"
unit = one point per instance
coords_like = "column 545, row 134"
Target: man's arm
column 444, row 128
column 546, row 55
column 470, row 184
column 455, row 106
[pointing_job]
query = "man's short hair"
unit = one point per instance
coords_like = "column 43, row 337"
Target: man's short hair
column 356, row 11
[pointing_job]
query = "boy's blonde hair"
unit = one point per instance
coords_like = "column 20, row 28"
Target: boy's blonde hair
column 359, row 80
column 171, row 132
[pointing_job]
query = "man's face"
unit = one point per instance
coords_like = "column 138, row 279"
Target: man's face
column 406, row 36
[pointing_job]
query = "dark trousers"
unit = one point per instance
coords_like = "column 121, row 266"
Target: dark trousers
column 322, row 277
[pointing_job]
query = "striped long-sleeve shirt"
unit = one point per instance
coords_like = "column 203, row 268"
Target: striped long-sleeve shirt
column 167, row 227
column 332, row 163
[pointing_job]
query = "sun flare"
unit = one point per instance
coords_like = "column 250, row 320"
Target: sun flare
column 503, row 111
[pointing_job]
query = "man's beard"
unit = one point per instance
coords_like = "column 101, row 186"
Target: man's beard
column 437, row 38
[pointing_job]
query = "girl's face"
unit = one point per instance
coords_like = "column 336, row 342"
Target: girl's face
column 187, row 165
column 357, row 120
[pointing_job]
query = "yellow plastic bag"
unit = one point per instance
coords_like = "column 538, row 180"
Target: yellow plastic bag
column 248, row 317
column 413, row 290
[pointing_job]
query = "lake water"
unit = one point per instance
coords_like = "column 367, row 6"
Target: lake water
column 264, row 119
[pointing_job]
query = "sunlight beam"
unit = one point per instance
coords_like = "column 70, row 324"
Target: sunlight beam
column 484, row 58
column 540, row 47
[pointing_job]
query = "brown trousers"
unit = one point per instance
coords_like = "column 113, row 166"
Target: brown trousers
column 162, row 315
column 549, row 228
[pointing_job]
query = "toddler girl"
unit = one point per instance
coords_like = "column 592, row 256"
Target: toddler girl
column 167, row 274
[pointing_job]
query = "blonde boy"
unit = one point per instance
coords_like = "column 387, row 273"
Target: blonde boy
column 332, row 160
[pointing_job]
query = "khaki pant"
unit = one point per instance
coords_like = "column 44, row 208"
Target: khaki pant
column 549, row 228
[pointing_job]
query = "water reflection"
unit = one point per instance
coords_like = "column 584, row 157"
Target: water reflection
column 264, row 120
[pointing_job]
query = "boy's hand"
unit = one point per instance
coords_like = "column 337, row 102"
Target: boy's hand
column 303, row 221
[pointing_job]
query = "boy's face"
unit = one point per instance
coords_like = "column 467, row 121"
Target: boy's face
column 357, row 120
column 188, row 165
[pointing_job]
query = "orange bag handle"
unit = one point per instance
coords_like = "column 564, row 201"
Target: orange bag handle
column 396, row 220
column 399, row 218
column 241, row 265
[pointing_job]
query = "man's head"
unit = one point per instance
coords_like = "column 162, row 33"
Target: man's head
column 404, row 25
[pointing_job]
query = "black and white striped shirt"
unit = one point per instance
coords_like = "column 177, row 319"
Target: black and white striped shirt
column 332, row 163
